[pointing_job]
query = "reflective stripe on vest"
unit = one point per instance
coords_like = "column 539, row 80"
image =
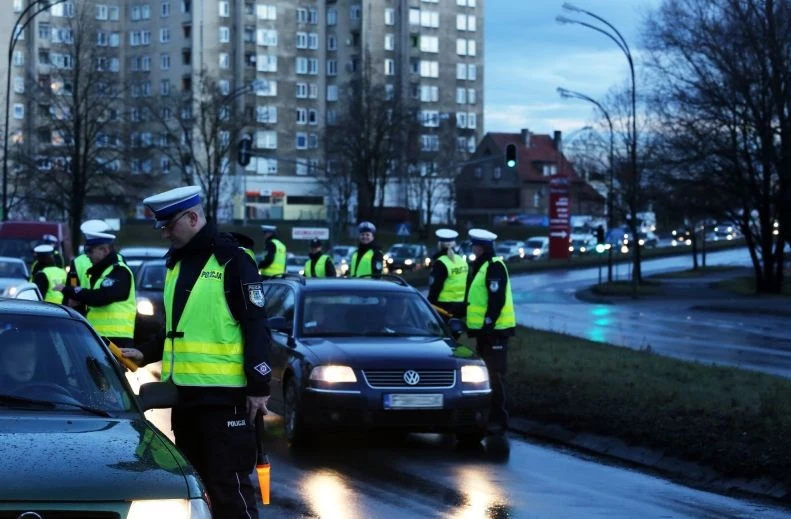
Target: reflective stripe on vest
column 55, row 276
column 321, row 267
column 478, row 300
column 206, row 347
column 81, row 264
column 116, row 319
column 278, row 265
column 456, row 283
column 365, row 268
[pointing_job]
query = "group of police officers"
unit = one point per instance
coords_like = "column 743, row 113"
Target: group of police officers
column 215, row 346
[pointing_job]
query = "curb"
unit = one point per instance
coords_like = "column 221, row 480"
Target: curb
column 746, row 309
column 685, row 471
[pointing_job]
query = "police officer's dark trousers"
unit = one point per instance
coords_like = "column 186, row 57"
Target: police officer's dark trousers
column 221, row 445
column 493, row 349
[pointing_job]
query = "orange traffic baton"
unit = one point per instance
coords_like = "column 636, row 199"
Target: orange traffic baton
column 262, row 467
column 116, row 351
column 442, row 311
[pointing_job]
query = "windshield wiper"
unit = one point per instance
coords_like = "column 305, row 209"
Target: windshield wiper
column 11, row 399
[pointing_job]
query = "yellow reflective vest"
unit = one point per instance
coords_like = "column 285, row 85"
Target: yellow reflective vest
column 81, row 264
column 321, row 267
column 116, row 319
column 206, row 347
column 278, row 265
column 456, row 282
column 478, row 301
column 55, row 276
column 365, row 267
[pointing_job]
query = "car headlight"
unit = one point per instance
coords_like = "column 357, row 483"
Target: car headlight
column 301, row 272
column 387, row 257
column 471, row 257
column 333, row 374
column 571, row 249
column 536, row 252
column 145, row 306
column 171, row 508
column 408, row 262
column 427, row 261
column 12, row 291
column 474, row 374
column 389, row 261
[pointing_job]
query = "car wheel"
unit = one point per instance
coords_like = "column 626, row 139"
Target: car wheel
column 470, row 437
column 296, row 431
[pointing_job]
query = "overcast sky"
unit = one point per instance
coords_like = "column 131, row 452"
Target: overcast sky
column 528, row 55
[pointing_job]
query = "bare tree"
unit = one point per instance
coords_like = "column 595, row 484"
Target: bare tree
column 339, row 190
column 80, row 147
column 725, row 97
column 372, row 141
column 202, row 127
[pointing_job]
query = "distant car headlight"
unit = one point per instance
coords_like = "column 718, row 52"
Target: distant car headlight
column 12, row 291
column 427, row 261
column 145, row 306
column 333, row 374
column 674, row 243
column 583, row 249
column 171, row 508
column 389, row 261
column 641, row 242
column 301, row 272
column 624, row 249
column 536, row 252
column 471, row 257
column 571, row 248
column 474, row 374
column 408, row 262
column 388, row 258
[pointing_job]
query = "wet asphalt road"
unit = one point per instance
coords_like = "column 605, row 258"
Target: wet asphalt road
column 424, row 476
column 669, row 327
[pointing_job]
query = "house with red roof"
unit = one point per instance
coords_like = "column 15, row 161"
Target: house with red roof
column 486, row 189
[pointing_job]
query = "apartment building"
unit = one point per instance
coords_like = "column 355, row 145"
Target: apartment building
column 300, row 54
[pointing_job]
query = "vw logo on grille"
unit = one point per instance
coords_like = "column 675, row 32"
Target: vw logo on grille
column 411, row 377
column 29, row 515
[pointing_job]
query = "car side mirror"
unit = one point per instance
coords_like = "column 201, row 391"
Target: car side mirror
column 279, row 323
column 158, row 395
column 457, row 326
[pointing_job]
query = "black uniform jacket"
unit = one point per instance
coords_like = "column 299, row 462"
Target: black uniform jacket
column 496, row 277
column 243, row 287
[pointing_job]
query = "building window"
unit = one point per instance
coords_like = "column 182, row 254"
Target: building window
column 302, row 90
column 164, row 61
column 302, row 40
column 332, row 67
column 302, row 15
column 332, row 16
column 461, row 96
column 302, row 66
column 164, row 87
column 429, row 68
column 429, row 93
column 224, row 60
column 355, row 13
column 332, row 92
column 164, row 35
column 266, row 38
column 461, row 71
column 313, row 40
column 114, row 13
column 225, row 8
column 19, row 111
column 429, row 44
column 266, row 140
column 19, row 85
column 164, row 10
column 389, row 42
column 266, row 12
column 225, row 35
column 471, row 96
column 302, row 141
column 471, row 72
column 302, row 116
column 332, row 42
column 389, row 16
column 389, row 67
column 313, row 116
column 429, row 19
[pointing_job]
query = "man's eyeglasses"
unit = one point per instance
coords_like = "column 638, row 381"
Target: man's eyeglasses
column 172, row 222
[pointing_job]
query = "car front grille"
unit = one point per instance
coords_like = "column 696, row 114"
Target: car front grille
column 394, row 378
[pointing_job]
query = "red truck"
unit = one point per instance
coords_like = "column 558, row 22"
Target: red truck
column 17, row 238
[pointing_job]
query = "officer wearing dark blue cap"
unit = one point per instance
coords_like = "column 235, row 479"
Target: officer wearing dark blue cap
column 319, row 264
column 490, row 319
column 109, row 294
column 368, row 259
column 215, row 349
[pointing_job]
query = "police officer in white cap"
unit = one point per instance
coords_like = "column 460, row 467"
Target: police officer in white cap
column 49, row 275
column 490, row 319
column 275, row 253
column 215, row 349
column 110, row 291
column 368, row 259
column 57, row 257
column 448, row 280
column 78, row 267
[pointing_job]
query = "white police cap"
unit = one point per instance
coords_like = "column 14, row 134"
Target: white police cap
column 98, row 238
column 44, row 249
column 366, row 227
column 94, row 226
column 482, row 236
column 168, row 204
column 446, row 234
column 269, row 228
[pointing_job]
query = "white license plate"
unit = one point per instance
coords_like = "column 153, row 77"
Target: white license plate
column 417, row 401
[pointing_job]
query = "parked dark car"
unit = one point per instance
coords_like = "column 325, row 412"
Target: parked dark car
column 403, row 257
column 150, row 288
column 73, row 437
column 341, row 361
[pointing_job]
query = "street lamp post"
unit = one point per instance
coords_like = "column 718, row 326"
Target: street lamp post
column 620, row 41
column 37, row 6
column 570, row 94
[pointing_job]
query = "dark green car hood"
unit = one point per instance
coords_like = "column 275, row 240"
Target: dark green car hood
column 70, row 457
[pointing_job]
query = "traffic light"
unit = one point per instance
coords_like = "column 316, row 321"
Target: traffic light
column 510, row 156
column 243, row 155
column 600, row 247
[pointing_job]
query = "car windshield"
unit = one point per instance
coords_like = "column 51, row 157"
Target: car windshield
column 18, row 248
column 386, row 314
column 297, row 261
column 341, row 251
column 12, row 269
column 503, row 249
column 151, row 277
column 59, row 366
column 403, row 251
column 535, row 244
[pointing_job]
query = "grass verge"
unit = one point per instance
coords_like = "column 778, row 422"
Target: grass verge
column 746, row 286
column 696, row 273
column 736, row 422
